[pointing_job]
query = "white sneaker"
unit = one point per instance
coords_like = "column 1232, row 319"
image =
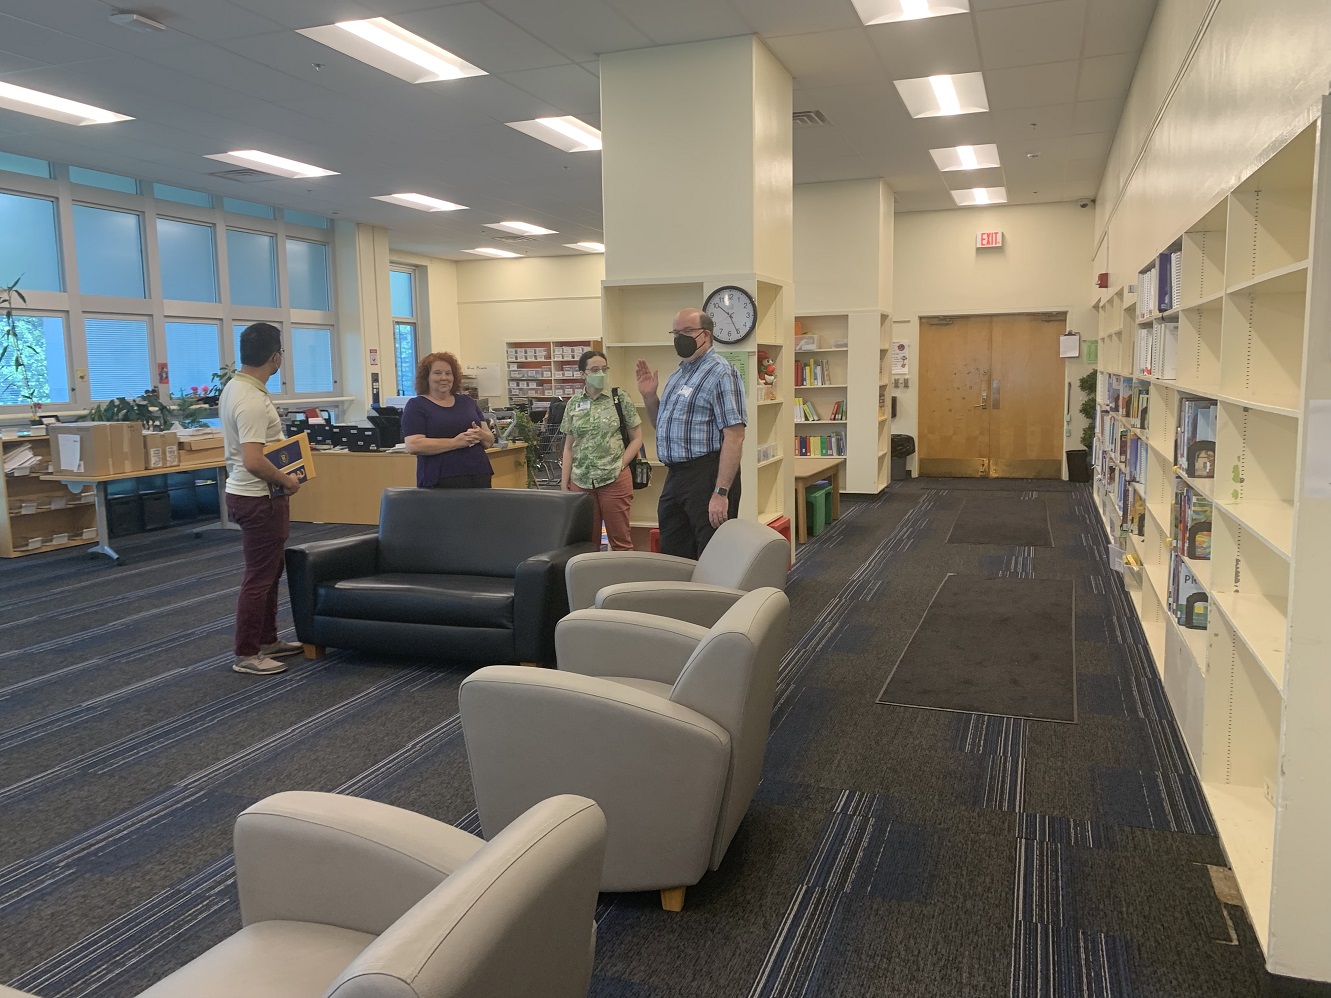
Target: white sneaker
column 259, row 665
column 281, row 649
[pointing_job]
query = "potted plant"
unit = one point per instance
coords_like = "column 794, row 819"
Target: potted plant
column 17, row 361
column 525, row 430
column 1079, row 461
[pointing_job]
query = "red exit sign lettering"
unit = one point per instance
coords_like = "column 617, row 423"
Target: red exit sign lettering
column 988, row 240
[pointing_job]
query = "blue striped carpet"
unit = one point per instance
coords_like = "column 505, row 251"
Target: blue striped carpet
column 891, row 851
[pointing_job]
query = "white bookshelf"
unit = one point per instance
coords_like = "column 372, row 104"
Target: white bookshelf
column 854, row 348
column 1253, row 310
column 636, row 318
column 545, row 368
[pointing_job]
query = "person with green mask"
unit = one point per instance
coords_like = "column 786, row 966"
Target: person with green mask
column 596, row 457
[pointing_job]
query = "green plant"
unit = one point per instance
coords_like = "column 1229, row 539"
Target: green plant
column 525, row 430
column 15, row 350
column 220, row 377
column 147, row 409
column 189, row 410
column 1087, row 408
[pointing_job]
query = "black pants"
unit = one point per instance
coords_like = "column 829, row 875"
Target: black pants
column 463, row 482
column 681, row 512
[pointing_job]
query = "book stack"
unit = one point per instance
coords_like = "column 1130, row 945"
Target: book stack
column 1194, row 447
column 1192, row 523
column 812, row 372
column 838, row 410
column 829, row 445
column 21, row 460
column 805, row 412
column 1145, row 294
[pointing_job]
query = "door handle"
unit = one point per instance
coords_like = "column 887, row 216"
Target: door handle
column 984, row 399
column 995, row 386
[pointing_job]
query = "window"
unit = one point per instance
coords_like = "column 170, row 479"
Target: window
column 15, row 163
column 303, row 218
column 252, row 261
column 274, row 384
column 188, row 260
column 165, row 192
column 118, row 359
column 307, row 275
column 108, row 181
column 240, row 207
column 42, row 340
column 29, row 244
column 402, row 292
column 311, row 359
column 193, row 354
column 109, row 245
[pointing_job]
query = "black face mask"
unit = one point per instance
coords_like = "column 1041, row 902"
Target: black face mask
column 685, row 345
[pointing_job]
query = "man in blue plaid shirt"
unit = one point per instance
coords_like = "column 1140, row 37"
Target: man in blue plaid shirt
column 699, row 421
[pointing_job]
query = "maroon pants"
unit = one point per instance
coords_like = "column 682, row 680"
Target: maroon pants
column 265, row 525
column 612, row 505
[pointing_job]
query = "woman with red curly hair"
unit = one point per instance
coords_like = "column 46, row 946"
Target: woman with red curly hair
column 445, row 430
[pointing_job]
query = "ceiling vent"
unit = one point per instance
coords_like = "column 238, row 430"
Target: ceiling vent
column 245, row 176
column 510, row 239
column 809, row 119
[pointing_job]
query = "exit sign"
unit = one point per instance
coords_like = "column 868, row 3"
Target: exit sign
column 988, row 240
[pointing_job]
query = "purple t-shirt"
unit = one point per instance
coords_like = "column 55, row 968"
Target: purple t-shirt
column 433, row 420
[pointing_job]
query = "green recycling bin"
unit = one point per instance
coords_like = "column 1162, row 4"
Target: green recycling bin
column 817, row 507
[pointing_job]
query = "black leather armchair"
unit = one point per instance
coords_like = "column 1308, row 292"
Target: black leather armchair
column 459, row 574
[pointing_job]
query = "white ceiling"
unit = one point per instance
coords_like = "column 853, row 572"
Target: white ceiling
column 233, row 74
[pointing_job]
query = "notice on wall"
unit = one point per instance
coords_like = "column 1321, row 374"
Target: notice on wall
column 900, row 357
column 1069, row 345
column 489, row 379
column 738, row 359
column 1317, row 467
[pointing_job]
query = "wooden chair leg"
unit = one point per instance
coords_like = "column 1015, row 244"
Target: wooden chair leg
column 672, row 898
column 314, row 651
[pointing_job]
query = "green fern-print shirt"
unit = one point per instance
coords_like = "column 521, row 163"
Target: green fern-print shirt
column 598, row 448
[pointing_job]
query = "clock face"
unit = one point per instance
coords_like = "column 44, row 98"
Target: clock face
column 733, row 313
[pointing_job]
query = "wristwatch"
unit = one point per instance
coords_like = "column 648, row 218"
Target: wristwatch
column 720, row 491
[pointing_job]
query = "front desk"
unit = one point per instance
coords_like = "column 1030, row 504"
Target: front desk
column 348, row 485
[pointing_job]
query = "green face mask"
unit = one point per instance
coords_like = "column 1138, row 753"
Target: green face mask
column 597, row 380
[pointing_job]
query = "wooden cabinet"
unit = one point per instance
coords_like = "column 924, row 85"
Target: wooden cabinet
column 40, row 516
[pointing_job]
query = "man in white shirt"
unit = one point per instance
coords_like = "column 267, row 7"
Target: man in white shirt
column 256, row 500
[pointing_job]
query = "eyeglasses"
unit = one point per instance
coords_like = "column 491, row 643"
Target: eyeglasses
column 687, row 331
column 597, row 370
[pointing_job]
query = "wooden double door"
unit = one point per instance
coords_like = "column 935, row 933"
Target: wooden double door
column 991, row 396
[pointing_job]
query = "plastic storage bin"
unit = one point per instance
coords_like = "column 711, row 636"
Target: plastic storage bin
column 817, row 500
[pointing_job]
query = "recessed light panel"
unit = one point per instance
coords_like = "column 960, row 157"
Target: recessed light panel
column 420, row 202
column 567, row 133
column 380, row 43
column 937, row 96
column 54, row 108
column 487, row 251
column 980, row 195
column 587, row 247
column 279, row 166
column 520, row 228
column 886, row 11
column 966, row 158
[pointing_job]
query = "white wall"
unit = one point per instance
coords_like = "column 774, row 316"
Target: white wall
column 1044, row 265
column 1210, row 101
column 843, row 246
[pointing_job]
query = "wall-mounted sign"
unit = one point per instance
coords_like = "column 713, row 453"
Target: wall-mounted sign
column 989, row 240
column 374, row 357
column 163, row 375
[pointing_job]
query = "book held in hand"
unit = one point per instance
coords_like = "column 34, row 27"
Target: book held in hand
column 292, row 457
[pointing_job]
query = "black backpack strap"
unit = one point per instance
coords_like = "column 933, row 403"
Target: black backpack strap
column 623, row 426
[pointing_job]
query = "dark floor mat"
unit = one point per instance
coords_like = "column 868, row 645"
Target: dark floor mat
column 992, row 646
column 1012, row 522
column 997, row 484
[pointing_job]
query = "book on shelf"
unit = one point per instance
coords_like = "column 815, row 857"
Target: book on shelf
column 1138, row 454
column 1176, row 276
column 1192, row 522
column 1167, row 366
column 1189, row 601
column 811, row 373
column 20, row 457
column 1164, row 282
column 1145, row 293
column 1194, row 448
column 827, row 445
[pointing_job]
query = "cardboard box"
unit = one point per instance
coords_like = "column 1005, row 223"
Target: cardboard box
column 160, row 450
column 95, row 449
column 171, row 449
column 205, row 439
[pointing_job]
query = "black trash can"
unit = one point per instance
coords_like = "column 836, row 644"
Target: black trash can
column 903, row 446
column 1079, row 465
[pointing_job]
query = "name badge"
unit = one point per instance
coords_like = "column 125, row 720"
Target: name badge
column 685, row 391
column 584, row 406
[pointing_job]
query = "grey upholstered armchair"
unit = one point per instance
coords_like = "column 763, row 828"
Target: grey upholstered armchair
column 662, row 722
column 347, row 898
column 742, row 555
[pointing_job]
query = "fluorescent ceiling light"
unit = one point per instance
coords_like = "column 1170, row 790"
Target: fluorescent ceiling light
column 886, row 11
column 487, row 251
column 70, row 112
column 277, row 165
column 936, row 96
column 587, row 247
column 966, row 157
column 520, row 228
column 420, row 202
column 980, row 195
column 567, row 133
column 380, row 43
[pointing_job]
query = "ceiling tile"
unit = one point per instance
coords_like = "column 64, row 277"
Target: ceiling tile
column 44, row 45
column 1048, row 120
column 1089, row 170
column 484, row 38
column 579, row 29
column 1029, row 86
column 932, row 45
column 771, row 18
column 682, row 20
column 571, row 89
column 1106, row 77
column 829, row 58
column 1116, row 26
column 1033, row 34
column 1097, row 115
column 310, row 13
